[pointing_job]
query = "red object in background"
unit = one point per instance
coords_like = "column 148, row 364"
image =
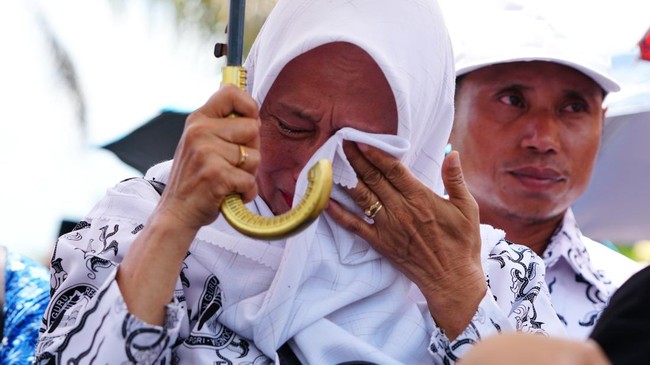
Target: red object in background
column 644, row 45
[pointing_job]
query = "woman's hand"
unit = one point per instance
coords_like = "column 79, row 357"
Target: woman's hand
column 208, row 165
column 217, row 155
column 434, row 241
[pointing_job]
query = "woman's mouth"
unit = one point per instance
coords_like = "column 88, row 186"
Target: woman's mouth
column 287, row 198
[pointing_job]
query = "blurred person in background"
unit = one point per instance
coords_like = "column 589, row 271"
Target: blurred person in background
column 24, row 295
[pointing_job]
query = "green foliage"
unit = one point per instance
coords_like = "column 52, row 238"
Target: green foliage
column 627, row 250
column 207, row 15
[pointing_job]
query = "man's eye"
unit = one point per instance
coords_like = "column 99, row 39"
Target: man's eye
column 513, row 100
column 575, row 107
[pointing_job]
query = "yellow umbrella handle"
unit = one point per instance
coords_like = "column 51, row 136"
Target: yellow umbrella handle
column 291, row 222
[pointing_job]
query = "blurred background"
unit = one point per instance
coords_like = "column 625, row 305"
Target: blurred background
column 76, row 75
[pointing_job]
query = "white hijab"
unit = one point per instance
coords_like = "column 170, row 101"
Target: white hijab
column 407, row 39
column 325, row 290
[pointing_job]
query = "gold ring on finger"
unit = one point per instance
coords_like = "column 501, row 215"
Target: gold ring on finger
column 243, row 156
column 372, row 210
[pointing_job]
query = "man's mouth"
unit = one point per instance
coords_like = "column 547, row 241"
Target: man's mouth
column 537, row 177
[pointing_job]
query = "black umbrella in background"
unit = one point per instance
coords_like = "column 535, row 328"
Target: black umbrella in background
column 156, row 140
column 153, row 142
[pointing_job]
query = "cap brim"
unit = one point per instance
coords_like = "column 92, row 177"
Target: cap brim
column 607, row 83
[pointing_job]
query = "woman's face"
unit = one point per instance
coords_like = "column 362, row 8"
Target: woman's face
column 330, row 87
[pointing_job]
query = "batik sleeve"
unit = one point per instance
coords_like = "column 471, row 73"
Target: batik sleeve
column 517, row 299
column 87, row 318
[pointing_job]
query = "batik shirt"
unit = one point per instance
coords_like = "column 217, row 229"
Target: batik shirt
column 87, row 320
column 582, row 275
column 27, row 292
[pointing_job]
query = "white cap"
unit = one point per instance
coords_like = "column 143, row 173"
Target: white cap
column 514, row 36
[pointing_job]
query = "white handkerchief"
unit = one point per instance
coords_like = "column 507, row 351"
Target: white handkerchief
column 344, row 176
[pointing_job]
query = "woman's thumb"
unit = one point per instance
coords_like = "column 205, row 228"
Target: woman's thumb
column 452, row 178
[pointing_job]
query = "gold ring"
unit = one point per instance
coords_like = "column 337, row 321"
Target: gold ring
column 372, row 210
column 243, row 156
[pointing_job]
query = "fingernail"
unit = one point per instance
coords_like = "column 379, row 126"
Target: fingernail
column 454, row 159
column 448, row 149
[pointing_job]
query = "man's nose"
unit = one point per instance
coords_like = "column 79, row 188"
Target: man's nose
column 542, row 132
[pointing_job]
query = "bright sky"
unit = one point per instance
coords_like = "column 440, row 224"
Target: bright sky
column 130, row 68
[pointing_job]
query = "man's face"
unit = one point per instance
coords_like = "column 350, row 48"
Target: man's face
column 330, row 87
column 528, row 134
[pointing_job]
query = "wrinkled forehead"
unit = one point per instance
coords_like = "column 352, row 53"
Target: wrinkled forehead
column 297, row 27
column 347, row 59
column 337, row 82
column 325, row 50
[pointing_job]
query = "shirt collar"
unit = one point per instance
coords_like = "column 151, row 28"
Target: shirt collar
column 567, row 243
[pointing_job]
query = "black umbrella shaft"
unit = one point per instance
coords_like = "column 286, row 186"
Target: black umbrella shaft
column 236, row 32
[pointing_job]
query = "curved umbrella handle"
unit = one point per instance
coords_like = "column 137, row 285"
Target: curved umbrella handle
column 291, row 222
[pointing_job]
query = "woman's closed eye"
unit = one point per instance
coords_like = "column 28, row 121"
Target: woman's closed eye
column 290, row 130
